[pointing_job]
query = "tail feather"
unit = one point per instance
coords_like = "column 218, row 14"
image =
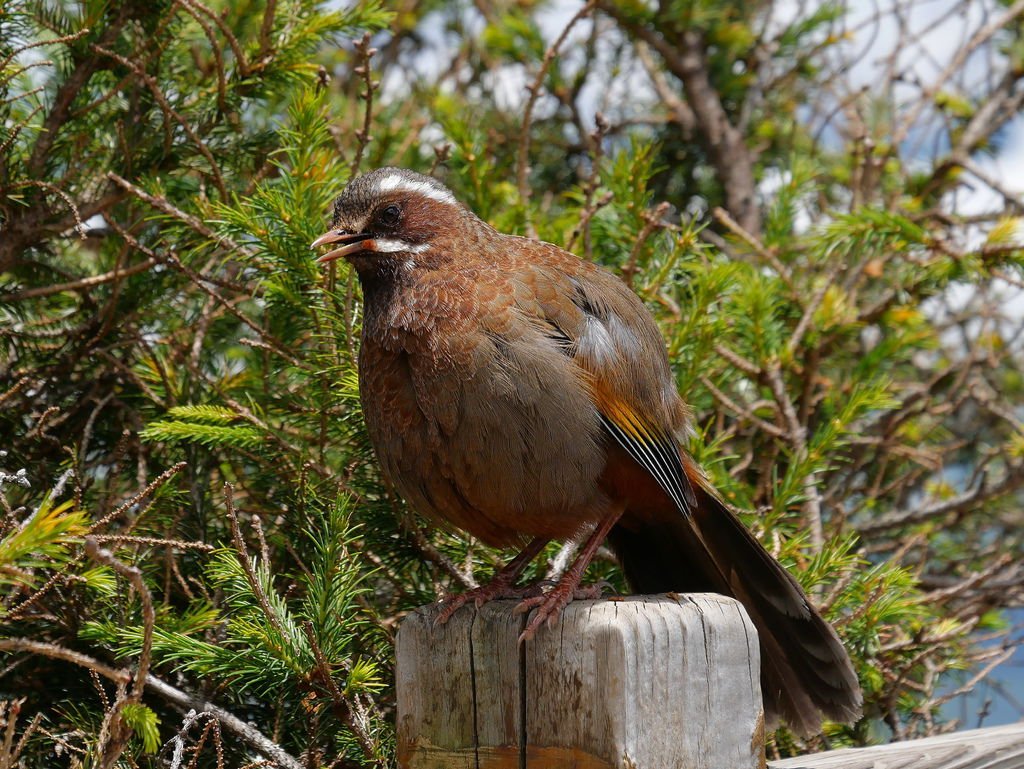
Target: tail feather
column 806, row 672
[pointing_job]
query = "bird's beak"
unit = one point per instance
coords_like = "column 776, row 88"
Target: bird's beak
column 352, row 243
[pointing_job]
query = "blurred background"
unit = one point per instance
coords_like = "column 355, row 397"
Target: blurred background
column 820, row 203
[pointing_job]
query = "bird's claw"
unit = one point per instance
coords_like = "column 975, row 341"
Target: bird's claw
column 550, row 604
column 493, row 591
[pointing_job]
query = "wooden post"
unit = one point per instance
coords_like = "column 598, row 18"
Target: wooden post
column 639, row 683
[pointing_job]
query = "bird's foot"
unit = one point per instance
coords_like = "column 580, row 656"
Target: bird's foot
column 502, row 585
column 550, row 604
column 494, row 590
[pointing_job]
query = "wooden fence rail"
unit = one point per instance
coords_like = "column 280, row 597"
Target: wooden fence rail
column 999, row 747
column 667, row 682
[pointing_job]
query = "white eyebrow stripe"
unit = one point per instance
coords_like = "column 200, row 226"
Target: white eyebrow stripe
column 394, row 182
column 393, row 246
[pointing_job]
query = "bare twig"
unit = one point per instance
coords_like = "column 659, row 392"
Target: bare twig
column 797, row 437
column 162, row 204
column 214, row 48
column 63, row 99
column 150, row 82
column 236, row 48
column 79, row 224
column 956, row 62
column 266, row 27
column 134, row 575
column 742, row 411
column 652, row 222
column 346, row 710
column 431, row 553
column 53, row 651
column 1013, row 480
column 687, row 58
column 161, row 479
column 679, row 110
column 245, row 732
column 365, row 53
column 522, row 164
column 129, row 539
column 242, row 554
column 812, row 307
column 82, row 284
column 750, row 239
column 590, row 205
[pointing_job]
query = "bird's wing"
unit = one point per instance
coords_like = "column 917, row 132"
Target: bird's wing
column 653, row 448
column 605, row 328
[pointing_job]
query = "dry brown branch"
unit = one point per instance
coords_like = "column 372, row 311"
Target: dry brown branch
column 61, row 103
column 364, row 54
column 15, row 131
column 165, row 105
column 215, row 49
column 242, row 554
column 266, row 27
column 162, row 204
column 134, row 575
column 244, row 731
column 115, row 732
column 14, row 389
column 724, row 218
column 82, row 284
column 63, row 40
column 236, row 48
column 464, row 579
column 79, row 225
column 11, row 752
column 956, row 63
column 53, row 651
column 797, row 437
column 812, row 307
column 897, row 519
column 742, row 411
column 523, row 158
column 18, row 611
column 748, row 367
column 592, row 206
column 128, row 539
column 686, row 57
column 200, row 282
column 347, row 710
column 679, row 110
column 652, row 222
column 145, row 493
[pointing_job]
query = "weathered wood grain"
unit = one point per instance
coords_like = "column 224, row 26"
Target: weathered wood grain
column 638, row 683
column 1000, row 747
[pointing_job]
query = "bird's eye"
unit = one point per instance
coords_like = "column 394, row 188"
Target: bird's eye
column 389, row 216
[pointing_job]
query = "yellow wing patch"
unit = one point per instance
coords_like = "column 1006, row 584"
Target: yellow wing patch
column 653, row 448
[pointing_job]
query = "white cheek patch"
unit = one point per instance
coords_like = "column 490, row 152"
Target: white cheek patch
column 396, row 182
column 394, row 246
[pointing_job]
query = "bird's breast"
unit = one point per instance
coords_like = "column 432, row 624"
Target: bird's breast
column 481, row 421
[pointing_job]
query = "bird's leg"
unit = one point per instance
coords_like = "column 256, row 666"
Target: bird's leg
column 502, row 584
column 550, row 604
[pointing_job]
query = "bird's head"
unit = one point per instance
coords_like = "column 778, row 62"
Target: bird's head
column 390, row 217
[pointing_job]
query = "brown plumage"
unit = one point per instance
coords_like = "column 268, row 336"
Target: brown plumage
column 521, row 394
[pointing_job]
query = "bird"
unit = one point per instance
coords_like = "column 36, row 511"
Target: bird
column 522, row 394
